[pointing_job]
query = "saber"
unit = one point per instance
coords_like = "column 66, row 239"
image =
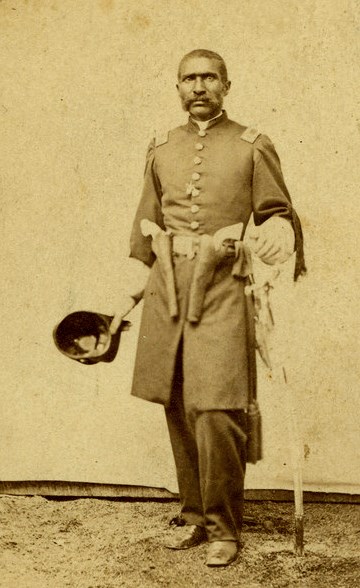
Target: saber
column 296, row 462
column 264, row 323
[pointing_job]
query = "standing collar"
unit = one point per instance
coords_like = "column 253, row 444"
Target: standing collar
column 222, row 117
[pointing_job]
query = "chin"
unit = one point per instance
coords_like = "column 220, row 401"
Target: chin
column 201, row 113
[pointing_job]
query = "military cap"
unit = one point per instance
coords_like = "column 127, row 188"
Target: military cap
column 85, row 337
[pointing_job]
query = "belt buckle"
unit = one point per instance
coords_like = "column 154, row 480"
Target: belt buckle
column 191, row 249
column 186, row 246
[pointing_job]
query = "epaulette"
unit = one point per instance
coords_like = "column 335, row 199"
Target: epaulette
column 250, row 135
column 161, row 138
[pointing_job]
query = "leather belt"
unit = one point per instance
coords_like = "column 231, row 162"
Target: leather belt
column 189, row 246
column 185, row 245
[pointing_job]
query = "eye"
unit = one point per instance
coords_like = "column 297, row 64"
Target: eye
column 210, row 77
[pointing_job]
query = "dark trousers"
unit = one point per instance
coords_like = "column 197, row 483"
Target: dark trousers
column 210, row 459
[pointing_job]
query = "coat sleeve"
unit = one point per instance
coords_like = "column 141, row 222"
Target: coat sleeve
column 149, row 208
column 269, row 192
column 270, row 196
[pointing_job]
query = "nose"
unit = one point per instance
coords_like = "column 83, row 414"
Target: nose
column 199, row 86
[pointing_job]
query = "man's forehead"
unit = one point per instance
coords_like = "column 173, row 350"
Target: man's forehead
column 199, row 65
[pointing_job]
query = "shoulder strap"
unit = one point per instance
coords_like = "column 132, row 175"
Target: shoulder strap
column 157, row 140
column 161, row 138
column 250, row 135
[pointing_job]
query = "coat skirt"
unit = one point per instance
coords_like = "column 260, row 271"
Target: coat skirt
column 214, row 350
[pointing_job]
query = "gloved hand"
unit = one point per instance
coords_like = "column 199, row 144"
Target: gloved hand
column 273, row 241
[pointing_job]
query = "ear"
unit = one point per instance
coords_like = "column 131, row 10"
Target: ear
column 227, row 86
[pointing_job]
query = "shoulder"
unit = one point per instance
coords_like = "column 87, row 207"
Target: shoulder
column 162, row 136
column 254, row 141
column 160, row 140
column 260, row 142
column 250, row 135
column 246, row 134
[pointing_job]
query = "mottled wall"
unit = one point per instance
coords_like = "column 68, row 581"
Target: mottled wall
column 83, row 85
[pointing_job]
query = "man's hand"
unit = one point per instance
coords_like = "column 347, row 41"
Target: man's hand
column 125, row 304
column 273, row 241
column 134, row 277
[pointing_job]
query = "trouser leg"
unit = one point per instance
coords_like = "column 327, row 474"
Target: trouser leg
column 209, row 449
column 185, row 455
column 210, row 459
column 221, row 442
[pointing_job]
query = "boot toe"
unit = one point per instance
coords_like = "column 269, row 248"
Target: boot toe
column 221, row 553
column 186, row 537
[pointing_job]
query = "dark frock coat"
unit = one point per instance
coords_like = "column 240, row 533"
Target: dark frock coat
column 236, row 173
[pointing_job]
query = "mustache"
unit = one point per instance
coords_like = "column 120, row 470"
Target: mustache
column 189, row 101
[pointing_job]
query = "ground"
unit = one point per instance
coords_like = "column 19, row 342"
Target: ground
column 98, row 543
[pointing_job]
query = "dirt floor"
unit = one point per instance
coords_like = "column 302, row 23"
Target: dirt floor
column 98, row 543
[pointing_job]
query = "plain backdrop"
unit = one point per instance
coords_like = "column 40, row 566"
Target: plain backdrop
column 84, row 83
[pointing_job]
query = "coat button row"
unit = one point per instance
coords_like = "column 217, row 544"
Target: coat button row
column 195, row 208
column 202, row 133
column 194, row 225
column 199, row 146
column 197, row 160
column 195, row 176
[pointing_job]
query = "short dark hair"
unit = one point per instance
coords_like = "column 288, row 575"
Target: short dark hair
column 208, row 55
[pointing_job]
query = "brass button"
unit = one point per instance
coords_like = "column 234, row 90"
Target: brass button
column 194, row 225
column 195, row 192
column 202, row 133
column 199, row 146
column 197, row 160
column 195, row 176
column 195, row 208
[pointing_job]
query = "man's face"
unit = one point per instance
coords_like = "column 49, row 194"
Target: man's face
column 201, row 88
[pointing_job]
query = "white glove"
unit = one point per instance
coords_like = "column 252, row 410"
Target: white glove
column 134, row 275
column 273, row 241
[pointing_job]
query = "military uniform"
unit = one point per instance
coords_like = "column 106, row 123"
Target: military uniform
column 197, row 182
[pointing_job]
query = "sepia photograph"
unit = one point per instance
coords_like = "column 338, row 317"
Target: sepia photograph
column 179, row 294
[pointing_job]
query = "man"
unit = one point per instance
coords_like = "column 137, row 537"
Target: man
column 202, row 182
